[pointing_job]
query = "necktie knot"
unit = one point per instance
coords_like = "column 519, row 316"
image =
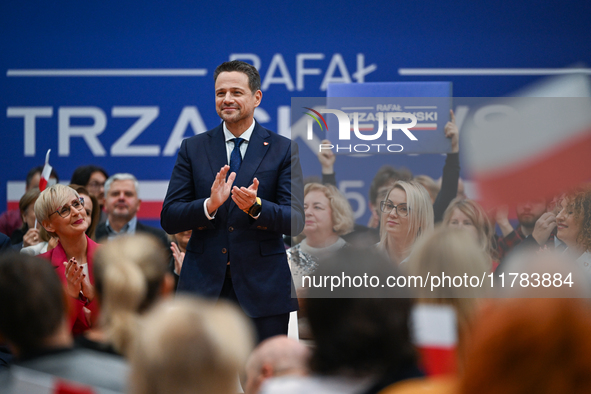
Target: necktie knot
column 236, row 157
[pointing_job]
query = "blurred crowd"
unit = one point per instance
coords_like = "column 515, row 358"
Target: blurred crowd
column 86, row 294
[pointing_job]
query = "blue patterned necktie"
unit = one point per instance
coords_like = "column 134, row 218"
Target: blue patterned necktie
column 236, row 157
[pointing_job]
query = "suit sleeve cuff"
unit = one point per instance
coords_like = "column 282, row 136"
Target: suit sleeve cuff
column 207, row 213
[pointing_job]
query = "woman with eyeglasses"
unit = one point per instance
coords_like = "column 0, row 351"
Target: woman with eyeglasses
column 406, row 215
column 60, row 209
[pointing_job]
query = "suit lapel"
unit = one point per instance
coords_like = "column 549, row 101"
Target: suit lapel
column 216, row 154
column 216, row 150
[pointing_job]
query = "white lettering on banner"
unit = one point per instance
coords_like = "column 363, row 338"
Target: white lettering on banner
column 285, row 78
column 29, row 114
column 89, row 133
column 336, row 61
column 189, row 116
column 362, row 71
column 301, row 70
column 122, row 147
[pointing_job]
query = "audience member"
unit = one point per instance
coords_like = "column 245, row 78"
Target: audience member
column 188, row 345
column 60, row 210
column 93, row 178
column 122, row 204
column 33, row 320
column 274, row 357
column 360, row 235
column 178, row 247
column 470, row 216
column 47, row 243
column 28, row 234
column 522, row 346
column 573, row 227
column 362, row 334
column 328, row 216
column 91, row 206
column 381, row 183
column 11, row 219
column 453, row 252
column 528, row 214
column 130, row 275
column 407, row 214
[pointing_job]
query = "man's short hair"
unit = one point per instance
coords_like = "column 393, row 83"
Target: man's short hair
column 39, row 170
column 82, row 174
column 122, row 177
column 387, row 174
column 254, row 79
column 32, row 301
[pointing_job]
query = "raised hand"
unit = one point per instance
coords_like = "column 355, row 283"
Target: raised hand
column 245, row 197
column 326, row 158
column 452, row 132
column 179, row 257
column 543, row 228
column 74, row 276
column 220, row 190
column 31, row 237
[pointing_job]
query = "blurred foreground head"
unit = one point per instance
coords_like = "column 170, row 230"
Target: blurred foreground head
column 359, row 330
column 274, row 357
column 451, row 252
column 131, row 274
column 32, row 302
column 188, row 345
column 530, row 346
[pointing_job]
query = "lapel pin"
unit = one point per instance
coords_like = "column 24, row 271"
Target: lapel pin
column 265, row 143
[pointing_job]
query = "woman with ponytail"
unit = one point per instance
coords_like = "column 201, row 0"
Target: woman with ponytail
column 131, row 274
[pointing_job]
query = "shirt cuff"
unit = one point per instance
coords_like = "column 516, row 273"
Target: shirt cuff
column 207, row 213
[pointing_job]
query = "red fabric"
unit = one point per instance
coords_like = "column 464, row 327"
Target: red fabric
column 64, row 387
column 545, row 175
column 438, row 360
column 57, row 256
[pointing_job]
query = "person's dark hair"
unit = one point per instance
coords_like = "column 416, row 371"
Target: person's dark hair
column 96, row 210
column 387, row 174
column 254, row 79
column 39, row 170
column 366, row 333
column 27, row 199
column 32, row 301
column 82, row 174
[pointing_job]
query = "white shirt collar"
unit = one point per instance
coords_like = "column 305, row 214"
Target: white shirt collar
column 246, row 135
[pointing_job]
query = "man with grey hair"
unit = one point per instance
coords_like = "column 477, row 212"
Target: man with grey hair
column 122, row 204
column 275, row 356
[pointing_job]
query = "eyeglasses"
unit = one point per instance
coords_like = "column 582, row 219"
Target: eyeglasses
column 65, row 211
column 401, row 209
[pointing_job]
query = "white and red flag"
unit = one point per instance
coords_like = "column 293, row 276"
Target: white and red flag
column 435, row 334
column 524, row 148
column 46, row 173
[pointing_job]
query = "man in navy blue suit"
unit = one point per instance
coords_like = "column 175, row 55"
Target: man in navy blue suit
column 239, row 188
